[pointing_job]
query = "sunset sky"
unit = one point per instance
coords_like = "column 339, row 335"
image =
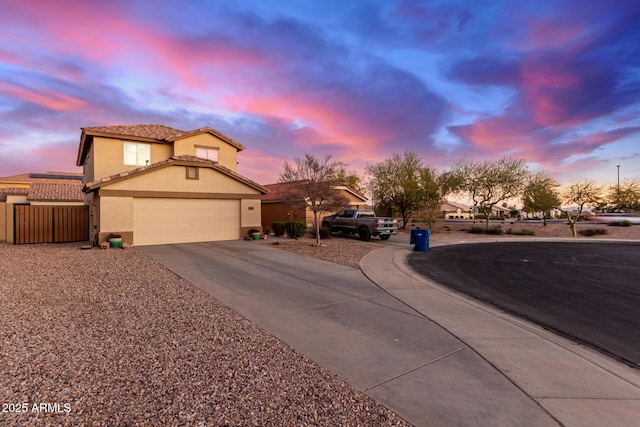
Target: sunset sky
column 554, row 82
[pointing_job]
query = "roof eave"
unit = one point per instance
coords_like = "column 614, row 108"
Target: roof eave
column 165, row 163
column 82, row 149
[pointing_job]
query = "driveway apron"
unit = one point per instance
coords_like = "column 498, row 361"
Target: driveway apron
column 340, row 319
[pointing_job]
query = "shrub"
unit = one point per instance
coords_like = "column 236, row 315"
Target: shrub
column 482, row 230
column 593, row 232
column 521, row 232
column 476, row 230
column 623, row 223
column 325, row 232
column 279, row 228
column 494, row 230
column 295, row 229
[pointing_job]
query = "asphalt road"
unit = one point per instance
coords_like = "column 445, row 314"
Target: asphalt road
column 588, row 291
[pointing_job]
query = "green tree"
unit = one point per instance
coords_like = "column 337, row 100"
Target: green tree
column 315, row 187
column 540, row 195
column 395, row 183
column 350, row 178
column 578, row 195
column 626, row 196
column 434, row 188
column 489, row 183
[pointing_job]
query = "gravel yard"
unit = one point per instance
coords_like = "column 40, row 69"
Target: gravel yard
column 340, row 250
column 108, row 337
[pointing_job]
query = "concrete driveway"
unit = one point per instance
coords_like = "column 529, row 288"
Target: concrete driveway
column 346, row 323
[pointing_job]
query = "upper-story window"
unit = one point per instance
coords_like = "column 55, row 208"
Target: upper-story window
column 137, row 154
column 207, row 153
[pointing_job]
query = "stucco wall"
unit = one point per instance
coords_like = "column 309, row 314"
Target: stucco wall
column 250, row 213
column 108, row 154
column 278, row 212
column 227, row 154
column 88, row 168
column 173, row 179
column 355, row 202
column 17, row 199
column 116, row 214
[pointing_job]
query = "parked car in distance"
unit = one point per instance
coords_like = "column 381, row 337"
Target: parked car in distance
column 362, row 222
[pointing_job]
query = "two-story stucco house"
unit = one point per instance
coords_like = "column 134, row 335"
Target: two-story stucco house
column 154, row 185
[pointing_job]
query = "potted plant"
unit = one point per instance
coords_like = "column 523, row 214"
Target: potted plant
column 254, row 233
column 115, row 240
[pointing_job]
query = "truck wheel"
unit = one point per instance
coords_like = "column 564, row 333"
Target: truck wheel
column 385, row 236
column 364, row 234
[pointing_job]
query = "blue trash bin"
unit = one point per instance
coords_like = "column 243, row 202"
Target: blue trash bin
column 420, row 239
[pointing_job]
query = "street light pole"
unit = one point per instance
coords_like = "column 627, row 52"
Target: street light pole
column 618, row 192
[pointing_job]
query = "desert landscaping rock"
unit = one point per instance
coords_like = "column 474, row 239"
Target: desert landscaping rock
column 340, row 250
column 108, row 337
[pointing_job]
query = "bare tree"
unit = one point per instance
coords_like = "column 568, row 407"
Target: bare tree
column 489, row 183
column 314, row 186
column 540, row 195
column 578, row 195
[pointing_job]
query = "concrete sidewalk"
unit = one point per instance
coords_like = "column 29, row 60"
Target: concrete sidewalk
column 574, row 385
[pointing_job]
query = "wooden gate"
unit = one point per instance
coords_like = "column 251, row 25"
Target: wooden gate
column 50, row 224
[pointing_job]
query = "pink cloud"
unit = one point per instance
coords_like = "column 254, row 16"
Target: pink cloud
column 112, row 38
column 337, row 127
column 495, row 133
column 43, row 97
column 588, row 143
column 544, row 85
column 260, row 165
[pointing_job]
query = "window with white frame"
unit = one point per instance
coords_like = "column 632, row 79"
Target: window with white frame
column 207, row 153
column 137, row 154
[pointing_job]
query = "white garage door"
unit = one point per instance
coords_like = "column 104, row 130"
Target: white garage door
column 160, row 221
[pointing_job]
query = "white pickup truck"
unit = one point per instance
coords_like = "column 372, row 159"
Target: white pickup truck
column 362, row 222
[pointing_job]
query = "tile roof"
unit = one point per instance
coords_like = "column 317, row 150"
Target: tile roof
column 45, row 191
column 12, row 191
column 51, row 177
column 276, row 190
column 160, row 132
column 56, row 192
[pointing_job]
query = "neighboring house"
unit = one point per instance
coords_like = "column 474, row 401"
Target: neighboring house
column 454, row 210
column 154, row 185
column 36, row 189
column 275, row 209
